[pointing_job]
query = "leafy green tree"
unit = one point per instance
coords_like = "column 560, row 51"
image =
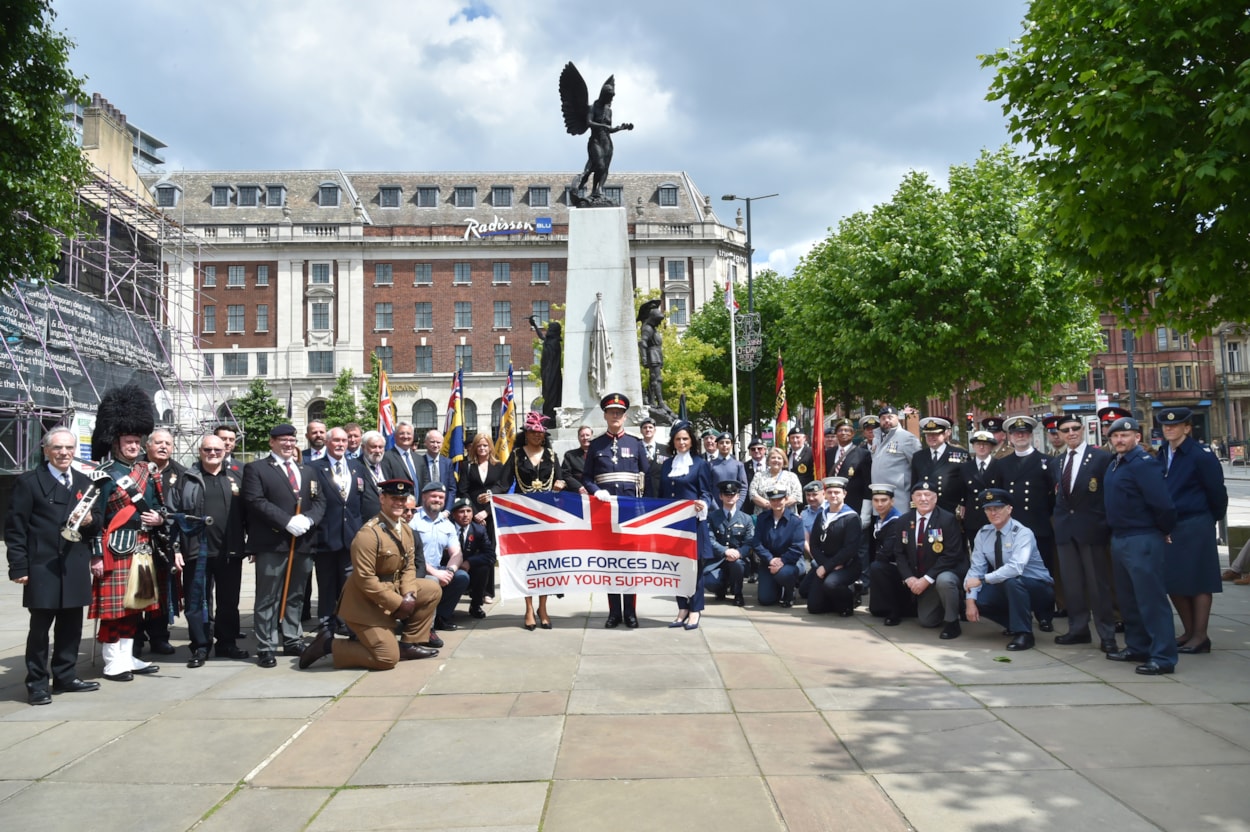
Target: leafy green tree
column 937, row 292
column 341, row 405
column 367, row 416
column 259, row 411
column 41, row 168
column 1139, row 119
column 684, row 358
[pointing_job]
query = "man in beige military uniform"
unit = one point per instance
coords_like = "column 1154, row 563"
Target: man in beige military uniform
column 385, row 586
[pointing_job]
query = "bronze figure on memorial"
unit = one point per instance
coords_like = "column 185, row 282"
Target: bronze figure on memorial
column 550, row 373
column 651, row 350
column 579, row 116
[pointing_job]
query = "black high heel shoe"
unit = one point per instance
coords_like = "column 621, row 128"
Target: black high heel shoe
column 1204, row 647
column 546, row 625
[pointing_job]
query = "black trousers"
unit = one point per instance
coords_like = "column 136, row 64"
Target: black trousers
column 481, row 577
column 223, row 582
column 66, row 627
column 332, row 571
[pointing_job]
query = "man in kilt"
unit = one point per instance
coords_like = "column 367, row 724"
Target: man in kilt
column 130, row 517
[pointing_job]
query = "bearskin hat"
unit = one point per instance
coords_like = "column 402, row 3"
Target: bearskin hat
column 122, row 411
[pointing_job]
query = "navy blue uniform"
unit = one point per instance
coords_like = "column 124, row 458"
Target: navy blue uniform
column 1140, row 513
column 1195, row 481
column 1082, row 536
column 729, row 531
column 778, row 538
column 619, row 466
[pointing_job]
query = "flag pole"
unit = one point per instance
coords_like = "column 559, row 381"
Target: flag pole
column 733, row 359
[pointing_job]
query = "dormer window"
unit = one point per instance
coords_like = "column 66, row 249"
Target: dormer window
column 667, row 196
column 427, row 196
column 328, row 195
column 249, row 196
column 466, row 196
column 221, row 196
column 501, row 196
column 275, row 196
column 167, row 196
column 389, row 196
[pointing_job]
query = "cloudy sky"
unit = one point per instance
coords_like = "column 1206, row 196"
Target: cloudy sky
column 827, row 103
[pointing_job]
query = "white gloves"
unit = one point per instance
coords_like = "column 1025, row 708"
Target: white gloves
column 298, row 525
column 603, row 495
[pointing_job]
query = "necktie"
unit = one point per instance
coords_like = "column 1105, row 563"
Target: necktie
column 837, row 466
column 433, row 468
column 998, row 550
column 920, row 544
column 290, row 475
column 981, row 465
column 65, row 479
column 935, row 456
column 1067, row 473
column 412, row 472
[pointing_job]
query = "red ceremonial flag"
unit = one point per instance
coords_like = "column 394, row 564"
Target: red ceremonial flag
column 782, row 421
column 818, row 433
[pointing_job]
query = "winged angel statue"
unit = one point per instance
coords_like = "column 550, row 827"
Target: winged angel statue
column 579, row 116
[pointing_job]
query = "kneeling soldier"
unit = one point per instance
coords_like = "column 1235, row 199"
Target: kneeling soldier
column 385, row 586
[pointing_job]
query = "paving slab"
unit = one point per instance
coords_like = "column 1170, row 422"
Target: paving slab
column 765, row 700
column 266, row 810
column 492, row 807
column 285, row 681
column 184, row 751
column 14, row 732
column 367, row 709
column 1113, row 736
column 1073, row 693
column 692, row 805
column 1030, row 801
column 899, row 697
column 965, row 665
column 745, row 670
column 663, row 745
column 1223, row 720
column 935, row 741
column 795, row 744
column 1201, row 798
column 504, row 675
column 460, row 706
column 675, row 700
column 1176, row 693
column 326, row 753
column 513, row 640
column 656, row 640
column 231, row 709
column 57, row 747
column 406, row 679
column 647, row 671
column 835, row 801
column 109, row 807
column 463, row 751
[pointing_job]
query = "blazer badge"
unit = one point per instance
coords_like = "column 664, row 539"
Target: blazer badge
column 1093, row 485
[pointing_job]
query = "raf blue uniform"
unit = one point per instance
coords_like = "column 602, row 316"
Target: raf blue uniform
column 778, row 538
column 1140, row 513
column 1012, row 591
column 729, row 531
column 617, row 465
column 1195, row 482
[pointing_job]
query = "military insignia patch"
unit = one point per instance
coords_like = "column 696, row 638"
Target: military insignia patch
column 802, row 469
column 312, row 487
column 1093, row 485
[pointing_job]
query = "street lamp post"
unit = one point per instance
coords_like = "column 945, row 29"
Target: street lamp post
column 750, row 293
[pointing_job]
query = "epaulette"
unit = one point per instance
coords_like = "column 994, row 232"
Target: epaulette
column 1207, row 448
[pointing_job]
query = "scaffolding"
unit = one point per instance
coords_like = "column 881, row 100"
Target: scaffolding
column 138, row 275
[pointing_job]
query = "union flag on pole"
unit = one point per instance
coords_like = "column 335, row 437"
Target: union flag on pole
column 782, row 421
column 386, row 410
column 507, row 421
column 730, row 303
column 569, row 542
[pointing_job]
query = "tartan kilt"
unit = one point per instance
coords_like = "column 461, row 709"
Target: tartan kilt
column 108, row 593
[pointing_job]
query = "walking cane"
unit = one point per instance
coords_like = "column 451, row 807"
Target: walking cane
column 286, row 584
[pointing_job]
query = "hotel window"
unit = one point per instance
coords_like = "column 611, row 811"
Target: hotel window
column 210, row 319
column 541, row 310
column 676, row 270
column 424, row 315
column 502, row 274
column 466, row 197
column 424, row 275
column 320, row 272
column 262, row 317
column 328, row 195
column 464, row 357
column 464, row 274
column 503, row 314
column 383, row 317
column 262, row 275
column 677, row 311
column 539, row 273
column 234, row 364
column 613, row 195
column 464, row 314
column 386, row 357
column 668, row 196
column 503, row 357
column 221, row 196
column 235, row 276
column 382, row 274
column 249, row 196
column 262, row 363
column 320, row 316
column 501, row 196
column 540, row 197
column 210, row 277
column 427, row 197
column 389, row 197
column 425, row 360
column 321, row 362
column 275, row 196
column 234, row 317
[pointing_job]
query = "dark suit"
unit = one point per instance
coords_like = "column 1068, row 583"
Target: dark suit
column 975, row 483
column 393, row 467
column 271, row 503
column 344, row 515
column 940, row 557
column 446, row 474
column 472, row 485
column 573, row 465
column 801, row 464
column 945, row 473
column 1031, row 482
column 58, row 571
column 478, row 549
column 856, row 467
column 1083, row 539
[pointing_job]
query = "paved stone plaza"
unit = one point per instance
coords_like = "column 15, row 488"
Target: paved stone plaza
column 760, row 720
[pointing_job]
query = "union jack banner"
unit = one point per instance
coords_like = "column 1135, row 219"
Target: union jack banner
column 386, row 410
column 567, row 542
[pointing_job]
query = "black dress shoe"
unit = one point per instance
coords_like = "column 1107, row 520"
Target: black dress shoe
column 739, row 601
column 265, row 658
column 1046, row 626
column 631, row 622
column 1074, row 638
column 1190, row 649
column 124, row 676
column 147, row 671
column 197, row 658
column 74, row 686
column 294, row 649
column 1108, row 645
column 1127, row 655
column 446, row 626
column 1153, row 668
column 477, row 612
column 409, row 652
column 39, row 696
column 892, row 621
column 1023, row 641
column 229, row 651
column 434, row 641
column 164, row 648
column 321, row 645
column 951, row 630
column 785, row 604
column 1061, row 614
column 613, row 621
